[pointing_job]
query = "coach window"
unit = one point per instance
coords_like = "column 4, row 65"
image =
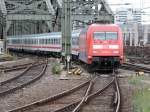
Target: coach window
column 39, row 41
column 25, row 41
column 42, row 41
column 30, row 41
column 49, row 41
column 59, row 41
column 33, row 41
column 52, row 41
column 46, row 41
column 56, row 41
column 36, row 41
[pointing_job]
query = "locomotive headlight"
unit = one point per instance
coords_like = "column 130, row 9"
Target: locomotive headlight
column 116, row 52
column 113, row 46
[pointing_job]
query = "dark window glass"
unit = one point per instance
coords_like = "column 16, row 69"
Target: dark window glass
column 105, row 35
column 111, row 35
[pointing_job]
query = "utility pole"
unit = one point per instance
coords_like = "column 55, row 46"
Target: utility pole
column 66, row 32
column 4, row 34
column 3, row 26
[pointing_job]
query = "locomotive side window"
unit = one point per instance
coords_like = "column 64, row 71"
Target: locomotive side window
column 99, row 36
column 111, row 35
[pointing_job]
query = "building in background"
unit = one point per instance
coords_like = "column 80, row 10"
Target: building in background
column 130, row 20
column 146, row 34
column 1, row 46
column 126, row 15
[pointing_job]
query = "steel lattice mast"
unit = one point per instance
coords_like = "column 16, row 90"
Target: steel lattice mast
column 66, row 30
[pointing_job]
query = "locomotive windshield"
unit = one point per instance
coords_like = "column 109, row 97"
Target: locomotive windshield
column 105, row 35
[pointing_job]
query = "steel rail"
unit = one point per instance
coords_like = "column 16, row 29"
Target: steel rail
column 118, row 95
column 13, row 68
column 135, row 67
column 50, row 99
column 84, row 98
column 21, row 74
column 7, row 91
column 76, row 106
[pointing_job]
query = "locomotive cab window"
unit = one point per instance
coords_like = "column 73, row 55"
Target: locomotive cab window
column 99, row 35
column 105, row 35
column 111, row 35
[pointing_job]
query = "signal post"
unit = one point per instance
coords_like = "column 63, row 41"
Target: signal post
column 66, row 32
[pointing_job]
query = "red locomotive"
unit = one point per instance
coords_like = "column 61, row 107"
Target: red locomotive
column 101, row 46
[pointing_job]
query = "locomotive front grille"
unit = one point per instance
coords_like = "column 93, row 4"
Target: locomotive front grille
column 112, row 62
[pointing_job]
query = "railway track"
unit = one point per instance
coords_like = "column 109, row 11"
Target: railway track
column 134, row 67
column 139, row 60
column 13, row 68
column 82, row 99
column 19, row 66
column 50, row 99
column 89, row 96
column 29, row 75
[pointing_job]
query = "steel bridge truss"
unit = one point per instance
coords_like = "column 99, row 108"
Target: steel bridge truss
column 39, row 16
